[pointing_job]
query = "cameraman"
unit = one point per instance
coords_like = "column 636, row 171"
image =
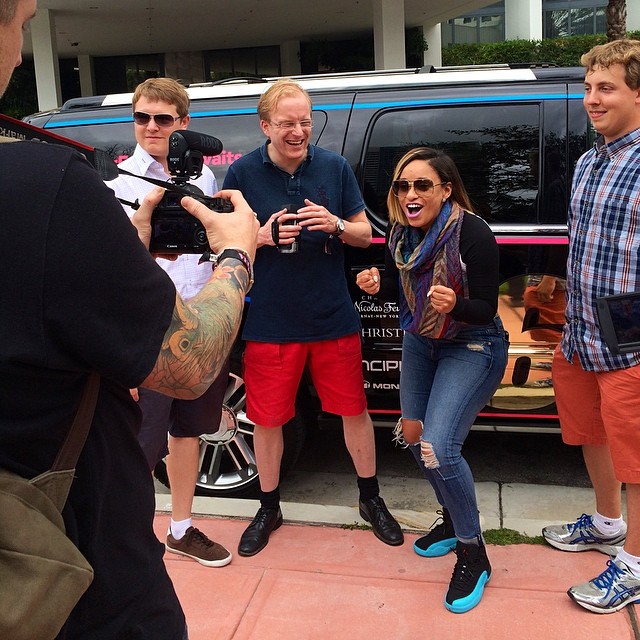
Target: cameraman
column 87, row 296
column 160, row 107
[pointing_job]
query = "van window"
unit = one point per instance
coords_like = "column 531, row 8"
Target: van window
column 239, row 134
column 495, row 147
column 115, row 138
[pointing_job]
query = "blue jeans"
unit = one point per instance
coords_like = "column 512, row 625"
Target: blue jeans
column 444, row 384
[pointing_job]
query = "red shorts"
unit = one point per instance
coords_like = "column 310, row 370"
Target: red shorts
column 600, row 408
column 272, row 374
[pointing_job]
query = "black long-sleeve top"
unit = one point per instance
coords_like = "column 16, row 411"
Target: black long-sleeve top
column 480, row 258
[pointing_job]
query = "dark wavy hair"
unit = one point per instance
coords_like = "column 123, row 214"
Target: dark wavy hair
column 447, row 171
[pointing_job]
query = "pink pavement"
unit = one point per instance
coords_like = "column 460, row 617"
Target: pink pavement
column 316, row 582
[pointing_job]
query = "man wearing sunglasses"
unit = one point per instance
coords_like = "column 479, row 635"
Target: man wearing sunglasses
column 160, row 107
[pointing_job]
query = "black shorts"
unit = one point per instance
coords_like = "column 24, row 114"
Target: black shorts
column 180, row 418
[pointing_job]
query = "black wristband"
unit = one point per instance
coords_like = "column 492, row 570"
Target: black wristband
column 237, row 254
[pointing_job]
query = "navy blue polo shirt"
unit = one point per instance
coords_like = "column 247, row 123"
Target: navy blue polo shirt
column 300, row 297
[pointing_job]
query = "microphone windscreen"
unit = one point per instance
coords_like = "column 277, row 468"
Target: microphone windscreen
column 207, row 145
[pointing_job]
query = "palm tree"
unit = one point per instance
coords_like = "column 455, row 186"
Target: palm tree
column 616, row 20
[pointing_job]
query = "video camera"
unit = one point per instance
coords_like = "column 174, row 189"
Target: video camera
column 173, row 229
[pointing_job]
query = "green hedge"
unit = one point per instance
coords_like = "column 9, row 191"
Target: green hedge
column 564, row 52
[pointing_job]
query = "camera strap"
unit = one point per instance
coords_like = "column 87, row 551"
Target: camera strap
column 169, row 186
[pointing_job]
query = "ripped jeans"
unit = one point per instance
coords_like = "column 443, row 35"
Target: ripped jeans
column 444, row 384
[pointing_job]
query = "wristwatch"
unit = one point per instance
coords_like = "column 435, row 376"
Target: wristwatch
column 339, row 227
column 237, row 254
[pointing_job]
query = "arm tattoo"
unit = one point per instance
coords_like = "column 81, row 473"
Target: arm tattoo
column 201, row 334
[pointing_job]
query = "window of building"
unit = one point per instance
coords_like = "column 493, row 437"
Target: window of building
column 560, row 18
column 493, row 146
column 573, row 17
column 253, row 61
column 483, row 25
column 119, row 74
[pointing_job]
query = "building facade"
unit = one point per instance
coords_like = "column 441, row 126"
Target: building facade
column 387, row 38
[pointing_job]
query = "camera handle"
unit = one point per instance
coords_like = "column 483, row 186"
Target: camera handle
column 169, row 186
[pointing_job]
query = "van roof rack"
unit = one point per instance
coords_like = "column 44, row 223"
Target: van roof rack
column 82, row 103
column 427, row 68
column 328, row 75
column 233, row 80
column 533, row 65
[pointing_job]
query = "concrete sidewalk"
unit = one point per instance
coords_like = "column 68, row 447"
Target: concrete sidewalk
column 322, row 577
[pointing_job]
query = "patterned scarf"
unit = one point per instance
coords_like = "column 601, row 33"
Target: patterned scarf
column 425, row 260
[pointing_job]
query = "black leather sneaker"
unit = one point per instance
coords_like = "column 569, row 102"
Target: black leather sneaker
column 384, row 525
column 256, row 535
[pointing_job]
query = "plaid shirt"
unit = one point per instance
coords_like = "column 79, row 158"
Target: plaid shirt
column 604, row 246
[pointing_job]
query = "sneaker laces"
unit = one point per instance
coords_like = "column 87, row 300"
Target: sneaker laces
column 463, row 573
column 198, row 539
column 439, row 521
column 606, row 579
column 583, row 522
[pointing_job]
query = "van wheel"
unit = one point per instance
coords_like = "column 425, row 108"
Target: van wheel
column 227, row 465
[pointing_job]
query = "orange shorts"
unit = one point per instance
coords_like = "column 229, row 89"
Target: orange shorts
column 272, row 374
column 601, row 408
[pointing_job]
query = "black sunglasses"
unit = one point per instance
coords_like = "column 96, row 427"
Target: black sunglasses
column 161, row 119
column 422, row 186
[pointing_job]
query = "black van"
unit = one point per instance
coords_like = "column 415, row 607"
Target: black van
column 515, row 135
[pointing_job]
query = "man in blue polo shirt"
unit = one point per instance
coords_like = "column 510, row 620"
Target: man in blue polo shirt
column 301, row 313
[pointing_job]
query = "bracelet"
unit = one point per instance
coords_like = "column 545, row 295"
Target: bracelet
column 237, row 254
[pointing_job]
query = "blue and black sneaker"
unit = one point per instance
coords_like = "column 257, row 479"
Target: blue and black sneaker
column 583, row 535
column 614, row 588
column 440, row 540
column 470, row 575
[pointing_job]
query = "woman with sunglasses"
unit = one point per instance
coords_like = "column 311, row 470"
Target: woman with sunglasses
column 442, row 266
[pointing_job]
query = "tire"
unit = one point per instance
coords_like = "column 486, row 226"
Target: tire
column 227, row 465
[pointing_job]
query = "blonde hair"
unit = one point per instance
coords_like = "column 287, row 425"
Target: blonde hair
column 625, row 52
column 280, row 89
column 164, row 90
column 447, row 171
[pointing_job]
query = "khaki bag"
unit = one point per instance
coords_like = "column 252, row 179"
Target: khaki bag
column 42, row 572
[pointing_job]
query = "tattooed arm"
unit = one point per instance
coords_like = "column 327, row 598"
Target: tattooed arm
column 203, row 329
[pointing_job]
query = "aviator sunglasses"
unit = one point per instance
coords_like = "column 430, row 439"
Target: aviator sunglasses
column 161, row 119
column 422, row 186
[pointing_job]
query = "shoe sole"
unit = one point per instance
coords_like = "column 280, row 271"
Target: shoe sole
column 607, row 549
column 437, row 549
column 207, row 563
column 595, row 609
column 462, row 605
column 244, row 554
column 393, row 543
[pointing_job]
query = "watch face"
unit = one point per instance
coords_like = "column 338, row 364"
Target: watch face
column 339, row 226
